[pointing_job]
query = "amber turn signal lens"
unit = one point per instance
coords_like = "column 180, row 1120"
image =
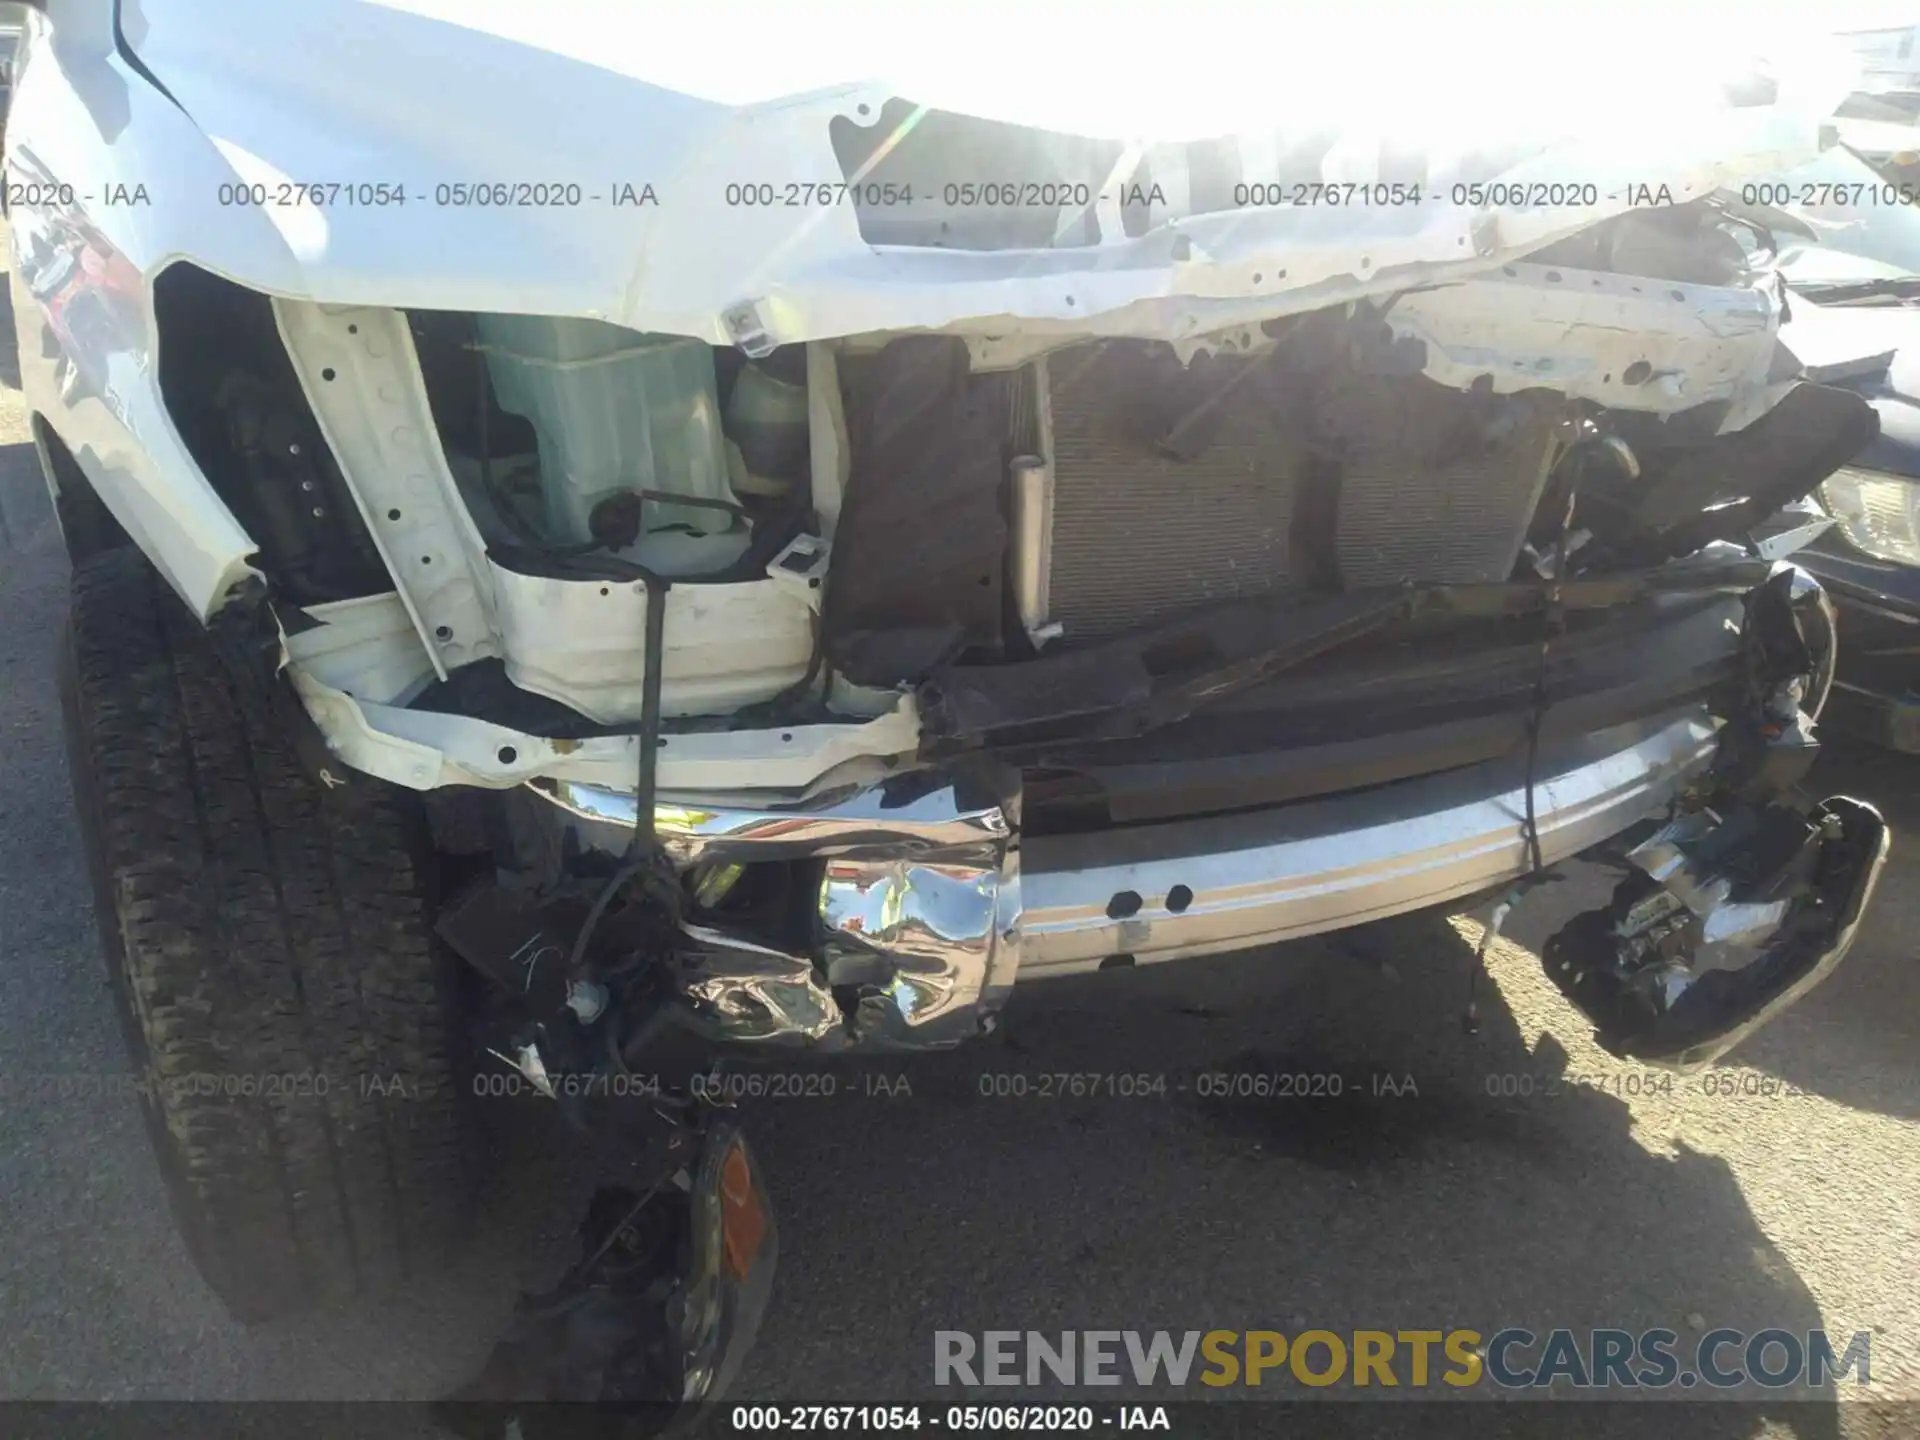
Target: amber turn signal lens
column 743, row 1223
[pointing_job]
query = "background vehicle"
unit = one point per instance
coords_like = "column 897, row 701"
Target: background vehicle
column 1856, row 288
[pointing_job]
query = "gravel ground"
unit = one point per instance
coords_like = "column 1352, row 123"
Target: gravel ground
column 946, row 1209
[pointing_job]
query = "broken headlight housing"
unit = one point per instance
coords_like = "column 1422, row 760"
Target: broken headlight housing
column 1877, row 512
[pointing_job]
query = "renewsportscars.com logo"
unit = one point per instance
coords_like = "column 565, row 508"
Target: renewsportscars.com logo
column 1511, row 1358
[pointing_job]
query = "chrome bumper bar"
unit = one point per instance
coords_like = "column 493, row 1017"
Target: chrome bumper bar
column 932, row 906
column 1165, row 892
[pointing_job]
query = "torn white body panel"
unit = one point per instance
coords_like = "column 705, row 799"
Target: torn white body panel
column 359, row 109
column 726, row 645
column 1622, row 341
column 424, row 750
column 358, row 669
column 360, row 375
column 367, row 649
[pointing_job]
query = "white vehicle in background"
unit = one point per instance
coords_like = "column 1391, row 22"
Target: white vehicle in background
column 765, row 566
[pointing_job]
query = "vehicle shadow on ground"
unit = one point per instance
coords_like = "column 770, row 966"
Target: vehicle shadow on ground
column 970, row 1206
column 977, row 1191
column 23, row 508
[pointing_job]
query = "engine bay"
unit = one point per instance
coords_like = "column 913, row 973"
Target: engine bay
column 855, row 551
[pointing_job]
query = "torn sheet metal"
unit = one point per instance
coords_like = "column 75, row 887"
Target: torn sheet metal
column 917, row 912
column 728, row 218
column 359, row 372
column 1618, row 340
column 928, row 947
column 422, row 750
column 742, row 990
column 923, row 951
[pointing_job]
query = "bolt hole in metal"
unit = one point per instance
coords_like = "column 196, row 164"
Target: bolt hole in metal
column 353, row 329
column 393, row 514
column 1179, row 898
column 1117, row 962
column 327, row 374
column 1124, row 905
column 508, row 754
column 443, row 632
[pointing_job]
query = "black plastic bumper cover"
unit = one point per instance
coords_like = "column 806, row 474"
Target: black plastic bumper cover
column 1823, row 867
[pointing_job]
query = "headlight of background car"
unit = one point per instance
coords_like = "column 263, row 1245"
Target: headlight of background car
column 1878, row 513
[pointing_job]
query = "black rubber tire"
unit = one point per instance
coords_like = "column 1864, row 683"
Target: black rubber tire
column 268, row 942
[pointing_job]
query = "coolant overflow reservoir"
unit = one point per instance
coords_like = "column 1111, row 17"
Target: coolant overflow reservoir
column 614, row 411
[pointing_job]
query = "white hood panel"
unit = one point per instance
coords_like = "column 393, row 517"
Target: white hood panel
column 434, row 94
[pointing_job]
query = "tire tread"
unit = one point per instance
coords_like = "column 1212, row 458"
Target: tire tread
column 265, row 926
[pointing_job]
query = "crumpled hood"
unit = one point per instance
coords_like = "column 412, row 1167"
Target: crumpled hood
column 1195, row 71
column 678, row 109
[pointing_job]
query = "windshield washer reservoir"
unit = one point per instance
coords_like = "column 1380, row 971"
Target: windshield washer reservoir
column 615, row 411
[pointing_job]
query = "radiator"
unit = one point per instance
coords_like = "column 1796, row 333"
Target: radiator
column 1426, row 484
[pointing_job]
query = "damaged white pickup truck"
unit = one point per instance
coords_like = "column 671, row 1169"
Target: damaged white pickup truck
column 777, row 574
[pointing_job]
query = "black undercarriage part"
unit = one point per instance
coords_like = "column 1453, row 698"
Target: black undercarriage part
column 656, row 1315
column 676, row 1265
column 1744, row 900
column 1729, row 919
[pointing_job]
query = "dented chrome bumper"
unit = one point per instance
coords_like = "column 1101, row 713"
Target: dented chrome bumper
column 918, row 910
column 931, row 904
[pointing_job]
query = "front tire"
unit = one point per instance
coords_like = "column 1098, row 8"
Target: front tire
column 286, row 1009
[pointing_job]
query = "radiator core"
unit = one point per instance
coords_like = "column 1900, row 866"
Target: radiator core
column 1429, row 485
